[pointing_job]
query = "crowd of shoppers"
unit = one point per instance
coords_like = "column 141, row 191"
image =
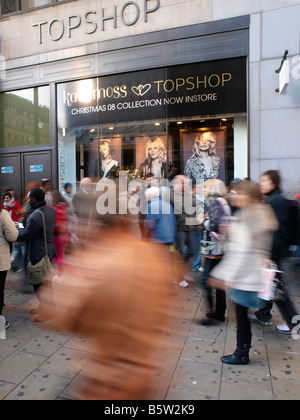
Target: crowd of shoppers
column 228, row 235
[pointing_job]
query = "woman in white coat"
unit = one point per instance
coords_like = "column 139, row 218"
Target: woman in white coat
column 241, row 269
column 8, row 233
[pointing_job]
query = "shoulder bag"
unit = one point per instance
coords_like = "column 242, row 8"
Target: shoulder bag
column 43, row 271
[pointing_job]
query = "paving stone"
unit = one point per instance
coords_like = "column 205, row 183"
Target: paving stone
column 16, row 316
column 180, row 394
column 256, row 374
column 286, row 389
column 197, row 377
column 240, row 392
column 6, row 388
column 15, row 299
column 9, row 346
column 26, row 330
column 285, row 365
column 211, row 333
column 19, row 365
column 39, row 386
column 203, row 350
column 78, row 343
column 46, row 343
column 65, row 362
column 276, row 342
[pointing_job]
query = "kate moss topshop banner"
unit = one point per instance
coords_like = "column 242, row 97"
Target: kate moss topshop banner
column 209, row 88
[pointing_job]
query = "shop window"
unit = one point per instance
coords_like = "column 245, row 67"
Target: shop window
column 189, row 119
column 23, row 114
column 200, row 149
column 102, row 152
column 11, row 6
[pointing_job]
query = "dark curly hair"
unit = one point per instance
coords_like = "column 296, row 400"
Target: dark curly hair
column 38, row 194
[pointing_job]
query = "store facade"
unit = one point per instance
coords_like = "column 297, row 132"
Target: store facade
column 136, row 86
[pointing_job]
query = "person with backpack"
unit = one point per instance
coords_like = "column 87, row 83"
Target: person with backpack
column 270, row 188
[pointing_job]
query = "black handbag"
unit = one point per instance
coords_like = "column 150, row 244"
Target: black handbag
column 41, row 272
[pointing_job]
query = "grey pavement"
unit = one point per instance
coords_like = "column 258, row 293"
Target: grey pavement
column 38, row 364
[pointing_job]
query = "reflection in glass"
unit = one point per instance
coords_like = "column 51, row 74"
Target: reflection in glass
column 25, row 116
column 98, row 151
column 11, row 6
column 85, row 91
column 101, row 151
column 30, row 4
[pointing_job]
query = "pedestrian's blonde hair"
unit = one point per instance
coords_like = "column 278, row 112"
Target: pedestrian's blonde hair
column 215, row 187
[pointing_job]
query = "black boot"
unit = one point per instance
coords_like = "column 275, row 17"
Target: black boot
column 241, row 354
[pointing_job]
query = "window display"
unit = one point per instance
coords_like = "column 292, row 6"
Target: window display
column 162, row 121
column 207, row 148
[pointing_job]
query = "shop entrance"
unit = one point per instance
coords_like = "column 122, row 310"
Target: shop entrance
column 18, row 169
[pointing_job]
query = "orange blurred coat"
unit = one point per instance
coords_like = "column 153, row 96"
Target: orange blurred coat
column 117, row 295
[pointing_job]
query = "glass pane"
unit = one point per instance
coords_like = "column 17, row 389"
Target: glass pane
column 162, row 148
column 101, row 151
column 9, row 6
column 25, row 117
column 30, row 4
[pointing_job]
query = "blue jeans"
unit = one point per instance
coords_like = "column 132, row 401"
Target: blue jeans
column 197, row 256
column 16, row 256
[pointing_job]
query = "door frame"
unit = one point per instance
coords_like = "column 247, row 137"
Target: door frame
column 21, row 155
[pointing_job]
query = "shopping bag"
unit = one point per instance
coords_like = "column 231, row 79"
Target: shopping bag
column 270, row 283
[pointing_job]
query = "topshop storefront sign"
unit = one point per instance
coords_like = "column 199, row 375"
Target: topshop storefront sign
column 210, row 88
column 92, row 21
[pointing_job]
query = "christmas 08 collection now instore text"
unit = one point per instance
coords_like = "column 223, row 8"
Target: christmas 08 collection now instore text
column 145, row 103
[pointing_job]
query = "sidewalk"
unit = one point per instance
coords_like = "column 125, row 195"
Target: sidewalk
column 36, row 364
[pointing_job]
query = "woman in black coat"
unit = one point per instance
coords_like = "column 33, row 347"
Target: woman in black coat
column 270, row 188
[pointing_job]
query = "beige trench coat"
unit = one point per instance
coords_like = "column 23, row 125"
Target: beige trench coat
column 8, row 232
column 249, row 246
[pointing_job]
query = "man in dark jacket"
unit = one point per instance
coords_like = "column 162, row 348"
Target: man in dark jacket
column 270, row 188
column 184, row 204
column 34, row 231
